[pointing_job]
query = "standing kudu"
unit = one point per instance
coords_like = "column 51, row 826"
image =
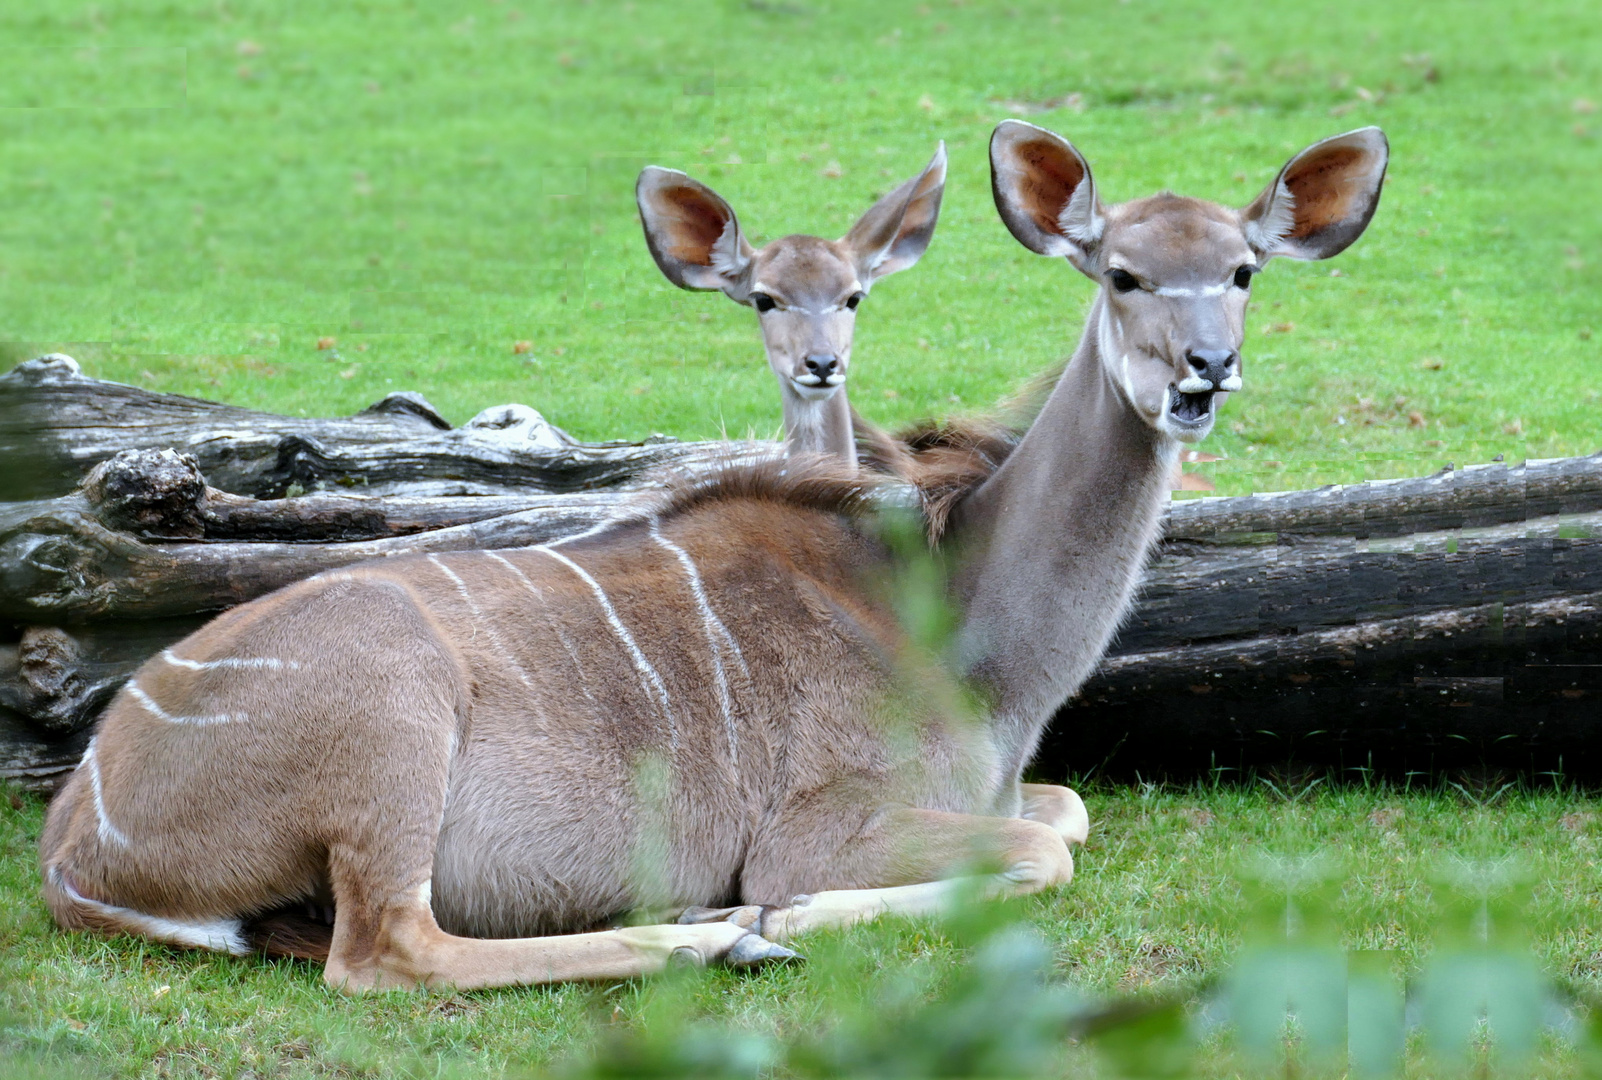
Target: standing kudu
column 446, row 747
column 805, row 289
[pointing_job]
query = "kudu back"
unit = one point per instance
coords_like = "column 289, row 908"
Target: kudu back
column 804, row 289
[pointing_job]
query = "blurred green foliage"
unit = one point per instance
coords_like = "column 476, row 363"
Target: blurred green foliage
column 1293, row 1003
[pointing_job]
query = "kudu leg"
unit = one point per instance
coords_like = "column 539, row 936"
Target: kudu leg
column 401, row 947
column 1059, row 807
column 385, row 935
column 916, row 850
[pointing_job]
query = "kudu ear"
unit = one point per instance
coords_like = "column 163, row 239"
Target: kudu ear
column 1322, row 199
column 896, row 230
column 1044, row 191
column 692, row 233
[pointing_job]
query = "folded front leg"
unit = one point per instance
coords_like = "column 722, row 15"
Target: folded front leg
column 911, row 864
column 1057, row 806
column 401, row 946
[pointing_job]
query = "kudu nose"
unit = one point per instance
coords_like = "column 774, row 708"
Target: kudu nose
column 1215, row 366
column 822, row 366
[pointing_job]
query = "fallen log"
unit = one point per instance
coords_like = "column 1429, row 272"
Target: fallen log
column 56, row 424
column 147, row 538
column 1437, row 617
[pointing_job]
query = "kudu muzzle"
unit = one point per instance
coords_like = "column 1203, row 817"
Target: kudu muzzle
column 1211, row 369
column 823, row 369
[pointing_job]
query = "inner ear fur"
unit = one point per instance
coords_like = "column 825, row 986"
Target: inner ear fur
column 692, row 232
column 1044, row 191
column 1322, row 199
column 896, row 230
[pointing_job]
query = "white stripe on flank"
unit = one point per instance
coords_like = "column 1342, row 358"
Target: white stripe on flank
column 157, row 711
column 108, row 832
column 715, row 630
column 257, row 662
column 556, row 627
column 219, row 935
column 648, row 676
column 489, row 625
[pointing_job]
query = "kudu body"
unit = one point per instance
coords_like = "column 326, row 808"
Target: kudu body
column 805, row 289
column 697, row 705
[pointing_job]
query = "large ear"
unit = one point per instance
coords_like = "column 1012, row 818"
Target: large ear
column 1322, row 199
column 896, row 230
column 692, row 233
column 1044, row 191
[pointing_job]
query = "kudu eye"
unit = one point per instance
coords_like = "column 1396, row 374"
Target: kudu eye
column 1243, row 278
column 1122, row 280
column 762, row 301
column 853, row 300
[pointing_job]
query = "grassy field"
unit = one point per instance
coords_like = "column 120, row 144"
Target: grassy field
column 193, row 194
column 1156, row 906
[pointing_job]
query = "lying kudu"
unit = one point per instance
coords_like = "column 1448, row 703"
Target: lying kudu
column 805, row 289
column 697, row 704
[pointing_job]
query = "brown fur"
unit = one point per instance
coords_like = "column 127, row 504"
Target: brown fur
column 291, row 933
column 818, row 483
column 944, row 460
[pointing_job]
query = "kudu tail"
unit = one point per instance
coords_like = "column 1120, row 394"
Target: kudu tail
column 293, row 932
column 75, row 911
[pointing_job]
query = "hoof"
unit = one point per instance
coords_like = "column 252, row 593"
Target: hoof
column 756, row 951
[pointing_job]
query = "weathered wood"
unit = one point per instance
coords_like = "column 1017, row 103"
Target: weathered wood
column 1196, row 592
column 306, row 518
column 54, row 682
column 1476, row 496
column 33, row 762
column 1447, row 612
column 56, row 423
column 72, row 570
column 1487, row 691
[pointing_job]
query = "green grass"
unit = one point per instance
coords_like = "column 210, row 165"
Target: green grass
column 430, row 183
column 192, row 194
column 1156, row 906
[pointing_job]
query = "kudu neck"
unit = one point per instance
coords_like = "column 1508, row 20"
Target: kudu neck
column 819, row 425
column 1052, row 545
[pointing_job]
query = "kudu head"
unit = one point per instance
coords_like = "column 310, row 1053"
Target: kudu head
column 805, row 289
column 1175, row 272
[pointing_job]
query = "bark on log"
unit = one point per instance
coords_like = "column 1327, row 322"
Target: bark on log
column 55, row 424
column 1449, row 621
column 1434, row 614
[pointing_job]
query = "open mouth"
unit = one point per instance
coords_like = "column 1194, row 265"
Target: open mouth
column 817, row 386
column 1191, row 410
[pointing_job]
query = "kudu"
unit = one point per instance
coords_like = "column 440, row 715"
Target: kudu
column 459, row 744
column 805, row 289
